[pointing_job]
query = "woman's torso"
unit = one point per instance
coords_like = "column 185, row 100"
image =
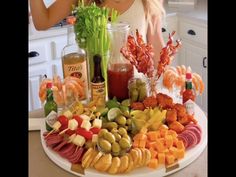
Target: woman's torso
column 135, row 16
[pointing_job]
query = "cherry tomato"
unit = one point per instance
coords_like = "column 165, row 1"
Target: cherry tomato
column 95, row 130
column 70, row 132
column 86, row 134
column 78, row 119
column 63, row 120
column 63, row 127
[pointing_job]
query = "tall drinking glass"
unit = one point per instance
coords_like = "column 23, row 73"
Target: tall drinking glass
column 119, row 69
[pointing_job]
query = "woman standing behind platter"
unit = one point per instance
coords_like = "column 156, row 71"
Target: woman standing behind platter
column 144, row 15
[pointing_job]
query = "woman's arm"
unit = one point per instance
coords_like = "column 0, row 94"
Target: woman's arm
column 45, row 18
column 154, row 37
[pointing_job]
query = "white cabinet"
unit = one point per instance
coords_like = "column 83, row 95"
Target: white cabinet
column 194, row 52
column 44, row 58
column 36, row 75
column 169, row 26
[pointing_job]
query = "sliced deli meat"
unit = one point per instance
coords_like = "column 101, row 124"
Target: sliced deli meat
column 194, row 125
column 196, row 132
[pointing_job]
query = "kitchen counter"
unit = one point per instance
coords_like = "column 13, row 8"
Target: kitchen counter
column 41, row 166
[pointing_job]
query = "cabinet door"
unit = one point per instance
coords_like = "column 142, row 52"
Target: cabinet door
column 170, row 26
column 195, row 57
column 35, row 77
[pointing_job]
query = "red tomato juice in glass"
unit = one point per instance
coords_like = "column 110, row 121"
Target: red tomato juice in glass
column 118, row 77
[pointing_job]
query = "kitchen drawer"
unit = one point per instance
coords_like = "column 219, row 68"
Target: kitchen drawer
column 38, row 53
column 193, row 32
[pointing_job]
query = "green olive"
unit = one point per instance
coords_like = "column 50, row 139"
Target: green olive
column 122, row 131
column 121, row 120
column 114, row 130
column 124, row 143
column 117, row 136
column 104, row 145
column 102, row 132
column 127, row 137
column 115, row 153
column 115, row 147
column 109, row 137
column 128, row 121
column 110, row 125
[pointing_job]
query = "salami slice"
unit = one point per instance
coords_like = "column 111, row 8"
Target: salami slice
column 194, row 125
column 59, row 146
column 76, row 158
column 184, row 139
column 54, row 141
column 191, row 138
column 68, row 152
column 196, row 132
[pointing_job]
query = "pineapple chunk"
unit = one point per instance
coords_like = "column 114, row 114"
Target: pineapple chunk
column 86, row 125
column 94, row 138
column 97, row 123
column 56, row 125
column 79, row 140
column 73, row 124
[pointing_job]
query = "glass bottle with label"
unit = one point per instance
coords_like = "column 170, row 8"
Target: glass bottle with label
column 189, row 95
column 50, row 108
column 98, row 82
column 74, row 60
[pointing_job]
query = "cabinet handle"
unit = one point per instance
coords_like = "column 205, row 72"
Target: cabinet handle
column 191, row 32
column 163, row 30
column 33, row 54
column 204, row 62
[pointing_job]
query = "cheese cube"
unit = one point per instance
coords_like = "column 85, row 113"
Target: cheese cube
column 56, row 125
column 94, row 138
column 86, row 125
column 85, row 117
column 68, row 114
column 73, row 124
column 97, row 123
column 71, row 137
column 79, row 140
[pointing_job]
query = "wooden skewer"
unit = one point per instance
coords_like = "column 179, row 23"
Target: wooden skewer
column 49, row 133
column 63, row 131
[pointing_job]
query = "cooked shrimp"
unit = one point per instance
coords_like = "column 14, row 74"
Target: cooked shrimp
column 59, row 99
column 199, row 83
column 71, row 89
column 80, row 89
column 43, row 89
column 79, row 81
column 57, row 82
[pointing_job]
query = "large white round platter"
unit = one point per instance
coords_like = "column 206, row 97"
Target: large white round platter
column 190, row 155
